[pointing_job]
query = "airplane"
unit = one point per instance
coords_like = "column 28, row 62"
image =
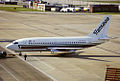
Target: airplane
column 63, row 44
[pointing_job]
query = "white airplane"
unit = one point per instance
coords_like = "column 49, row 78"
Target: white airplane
column 63, row 44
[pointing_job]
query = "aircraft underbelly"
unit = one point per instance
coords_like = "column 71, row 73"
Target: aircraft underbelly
column 49, row 47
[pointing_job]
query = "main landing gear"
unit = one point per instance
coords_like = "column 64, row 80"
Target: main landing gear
column 52, row 52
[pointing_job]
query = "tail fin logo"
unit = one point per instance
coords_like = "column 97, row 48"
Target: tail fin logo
column 96, row 31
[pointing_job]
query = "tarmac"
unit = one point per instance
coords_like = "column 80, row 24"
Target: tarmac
column 14, row 69
column 86, row 65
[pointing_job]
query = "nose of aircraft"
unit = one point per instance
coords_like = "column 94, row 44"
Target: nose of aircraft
column 11, row 46
column 8, row 46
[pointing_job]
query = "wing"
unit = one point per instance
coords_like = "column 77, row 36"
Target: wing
column 65, row 49
column 6, row 40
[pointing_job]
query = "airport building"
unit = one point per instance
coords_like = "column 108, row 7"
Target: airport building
column 13, row 2
column 104, row 8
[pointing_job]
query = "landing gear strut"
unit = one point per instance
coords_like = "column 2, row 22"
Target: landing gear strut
column 20, row 54
column 52, row 52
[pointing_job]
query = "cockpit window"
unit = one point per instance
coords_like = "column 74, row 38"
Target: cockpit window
column 15, row 43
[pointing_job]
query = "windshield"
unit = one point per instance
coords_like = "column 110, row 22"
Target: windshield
column 15, row 43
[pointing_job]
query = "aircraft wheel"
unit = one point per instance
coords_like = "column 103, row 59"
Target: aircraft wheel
column 20, row 54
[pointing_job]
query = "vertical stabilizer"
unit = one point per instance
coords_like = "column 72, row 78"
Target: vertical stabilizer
column 101, row 30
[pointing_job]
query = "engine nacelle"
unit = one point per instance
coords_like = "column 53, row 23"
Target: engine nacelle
column 62, row 50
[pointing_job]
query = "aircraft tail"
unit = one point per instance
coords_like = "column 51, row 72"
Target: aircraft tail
column 100, row 32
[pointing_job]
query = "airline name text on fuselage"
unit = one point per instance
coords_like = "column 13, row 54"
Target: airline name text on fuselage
column 96, row 31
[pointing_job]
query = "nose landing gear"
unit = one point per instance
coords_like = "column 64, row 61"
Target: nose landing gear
column 20, row 54
column 3, row 54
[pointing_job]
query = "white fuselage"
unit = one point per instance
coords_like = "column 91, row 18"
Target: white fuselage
column 47, row 43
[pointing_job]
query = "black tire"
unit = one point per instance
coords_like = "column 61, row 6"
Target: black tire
column 3, row 54
column 20, row 54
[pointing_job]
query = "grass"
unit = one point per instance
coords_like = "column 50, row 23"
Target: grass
column 16, row 9
column 107, row 1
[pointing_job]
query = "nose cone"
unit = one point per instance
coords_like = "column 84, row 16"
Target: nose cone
column 8, row 46
column 11, row 47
